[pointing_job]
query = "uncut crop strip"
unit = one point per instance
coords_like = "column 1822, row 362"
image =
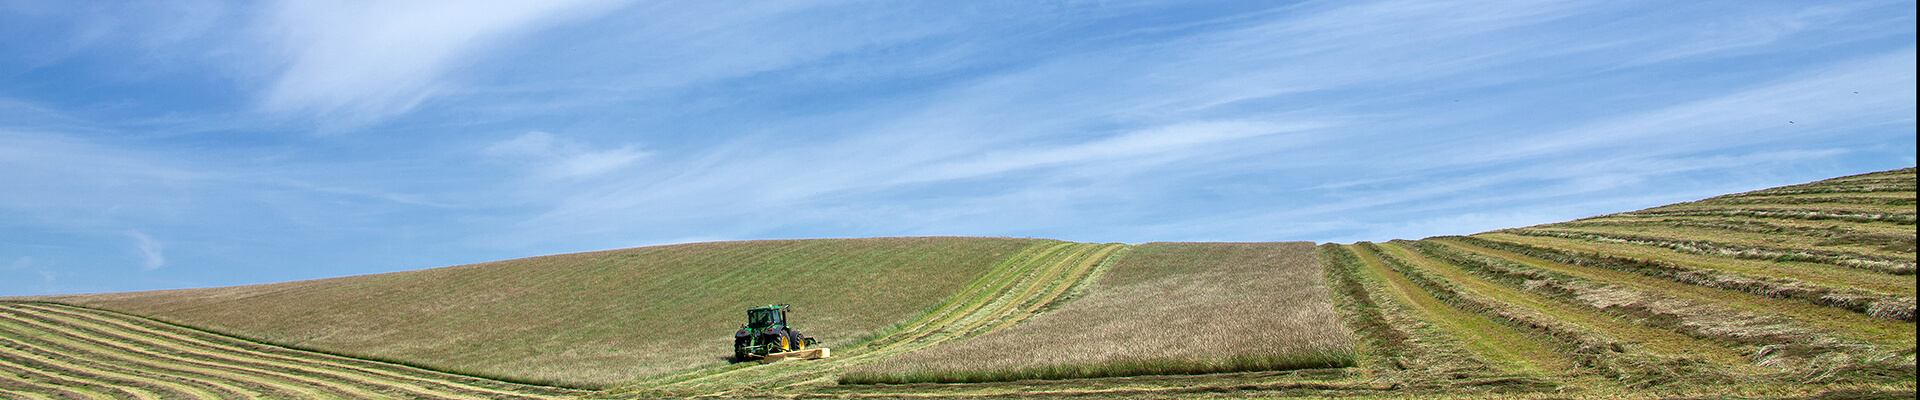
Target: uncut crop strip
column 94, row 337
column 1023, row 284
column 1491, row 341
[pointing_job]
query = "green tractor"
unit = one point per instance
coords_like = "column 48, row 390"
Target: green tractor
column 766, row 333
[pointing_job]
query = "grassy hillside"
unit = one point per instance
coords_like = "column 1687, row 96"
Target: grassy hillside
column 591, row 319
column 1804, row 291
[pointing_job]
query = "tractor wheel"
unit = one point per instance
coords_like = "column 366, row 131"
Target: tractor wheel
column 797, row 340
column 781, row 346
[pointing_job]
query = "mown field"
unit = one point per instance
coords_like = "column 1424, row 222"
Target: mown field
column 52, row 351
column 1804, row 291
column 1785, row 292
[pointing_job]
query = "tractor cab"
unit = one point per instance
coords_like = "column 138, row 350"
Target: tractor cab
column 766, row 316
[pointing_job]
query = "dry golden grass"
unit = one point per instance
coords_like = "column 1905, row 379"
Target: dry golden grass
column 1165, row 308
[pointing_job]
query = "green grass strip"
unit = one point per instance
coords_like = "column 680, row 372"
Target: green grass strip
column 1506, row 348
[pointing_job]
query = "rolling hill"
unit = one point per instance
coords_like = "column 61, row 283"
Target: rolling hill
column 1803, row 291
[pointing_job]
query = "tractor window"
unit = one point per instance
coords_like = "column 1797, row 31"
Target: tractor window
column 759, row 318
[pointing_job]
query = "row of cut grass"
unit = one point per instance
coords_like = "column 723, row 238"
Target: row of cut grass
column 393, row 375
column 89, row 348
column 1654, row 340
column 1752, row 247
column 1879, row 295
column 211, row 343
column 77, row 341
column 1849, row 325
column 1500, row 345
column 1890, row 239
column 1380, row 343
column 1782, row 212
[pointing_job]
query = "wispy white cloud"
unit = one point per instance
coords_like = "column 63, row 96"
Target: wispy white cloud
column 558, row 159
column 358, row 61
column 150, row 256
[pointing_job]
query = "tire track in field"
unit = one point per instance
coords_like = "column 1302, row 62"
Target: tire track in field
column 395, row 374
column 1495, row 342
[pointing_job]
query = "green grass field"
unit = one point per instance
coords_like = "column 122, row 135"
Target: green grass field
column 1804, row 291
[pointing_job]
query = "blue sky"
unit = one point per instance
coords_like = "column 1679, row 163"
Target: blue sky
column 167, row 144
